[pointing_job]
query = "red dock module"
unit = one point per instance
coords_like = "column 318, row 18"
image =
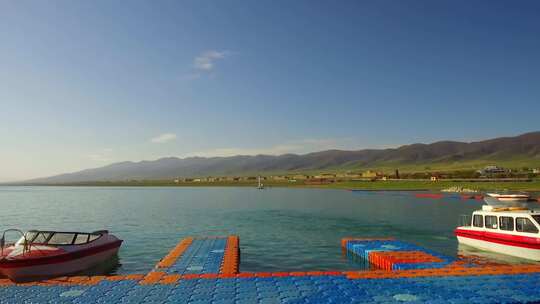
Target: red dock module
column 231, row 256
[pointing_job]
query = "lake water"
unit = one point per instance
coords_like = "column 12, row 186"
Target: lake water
column 280, row 229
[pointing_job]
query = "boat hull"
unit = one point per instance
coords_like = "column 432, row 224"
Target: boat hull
column 68, row 266
column 509, row 197
column 527, row 248
column 520, row 252
column 499, row 202
column 41, row 261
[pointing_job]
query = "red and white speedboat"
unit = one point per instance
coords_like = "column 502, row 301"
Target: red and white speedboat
column 508, row 230
column 50, row 253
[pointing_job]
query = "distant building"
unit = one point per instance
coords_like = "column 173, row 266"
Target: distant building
column 372, row 175
column 491, row 170
column 536, row 171
column 318, row 181
column 349, row 175
column 325, row 175
column 369, row 174
column 434, row 178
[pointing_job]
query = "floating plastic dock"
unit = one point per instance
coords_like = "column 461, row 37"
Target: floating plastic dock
column 197, row 256
column 192, row 258
column 205, row 270
column 390, row 254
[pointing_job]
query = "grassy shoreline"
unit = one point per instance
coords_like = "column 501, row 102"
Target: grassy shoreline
column 406, row 185
column 532, row 186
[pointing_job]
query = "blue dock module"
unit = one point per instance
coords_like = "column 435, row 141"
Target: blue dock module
column 205, row 270
column 195, row 255
column 512, row 288
column 391, row 254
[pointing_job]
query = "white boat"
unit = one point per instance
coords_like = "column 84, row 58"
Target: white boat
column 504, row 197
column 507, row 199
column 39, row 254
column 512, row 231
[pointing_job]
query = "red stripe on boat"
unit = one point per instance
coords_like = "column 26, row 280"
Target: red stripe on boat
column 59, row 258
column 500, row 238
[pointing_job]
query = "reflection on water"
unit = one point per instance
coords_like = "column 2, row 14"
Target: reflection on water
column 280, row 229
column 110, row 266
column 488, row 257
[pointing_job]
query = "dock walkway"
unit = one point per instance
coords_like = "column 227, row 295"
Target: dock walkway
column 205, row 270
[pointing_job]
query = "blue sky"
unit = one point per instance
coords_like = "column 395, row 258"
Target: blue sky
column 87, row 83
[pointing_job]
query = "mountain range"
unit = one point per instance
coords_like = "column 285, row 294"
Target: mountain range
column 525, row 147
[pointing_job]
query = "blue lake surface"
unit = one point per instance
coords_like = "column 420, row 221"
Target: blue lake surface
column 280, row 229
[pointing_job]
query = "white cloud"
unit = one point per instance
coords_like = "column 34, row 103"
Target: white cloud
column 163, row 138
column 298, row 147
column 99, row 158
column 205, row 61
column 274, row 150
column 204, row 64
column 102, row 156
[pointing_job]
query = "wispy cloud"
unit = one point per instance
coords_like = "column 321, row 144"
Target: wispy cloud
column 205, row 63
column 298, row 146
column 104, row 155
column 163, row 138
column 206, row 60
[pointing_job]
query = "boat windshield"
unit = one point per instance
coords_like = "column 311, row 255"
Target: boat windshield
column 61, row 238
column 536, row 218
column 33, row 236
column 57, row 238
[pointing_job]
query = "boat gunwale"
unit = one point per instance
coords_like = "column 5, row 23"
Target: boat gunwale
column 59, row 258
column 499, row 238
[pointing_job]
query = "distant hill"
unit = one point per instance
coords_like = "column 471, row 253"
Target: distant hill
column 525, row 147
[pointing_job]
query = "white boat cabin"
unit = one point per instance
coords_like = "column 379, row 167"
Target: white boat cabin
column 515, row 221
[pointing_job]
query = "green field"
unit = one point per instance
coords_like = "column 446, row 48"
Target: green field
column 436, row 186
column 516, row 164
